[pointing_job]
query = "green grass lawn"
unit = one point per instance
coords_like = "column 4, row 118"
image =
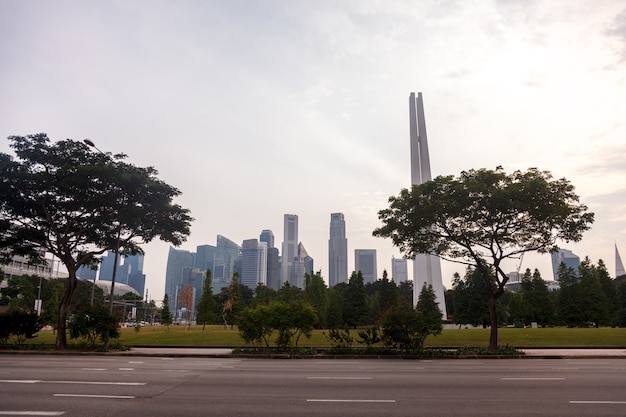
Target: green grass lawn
column 218, row 336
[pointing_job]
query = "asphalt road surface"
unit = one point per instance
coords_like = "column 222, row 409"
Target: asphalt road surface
column 93, row 386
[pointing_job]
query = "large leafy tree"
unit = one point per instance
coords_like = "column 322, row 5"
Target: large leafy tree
column 484, row 217
column 75, row 202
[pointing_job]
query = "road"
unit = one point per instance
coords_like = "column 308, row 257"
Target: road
column 94, row 386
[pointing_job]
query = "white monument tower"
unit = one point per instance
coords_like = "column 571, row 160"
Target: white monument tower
column 426, row 267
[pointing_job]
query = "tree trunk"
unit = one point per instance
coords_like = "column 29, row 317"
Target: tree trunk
column 493, row 334
column 64, row 307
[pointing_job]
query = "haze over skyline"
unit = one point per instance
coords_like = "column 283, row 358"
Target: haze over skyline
column 258, row 109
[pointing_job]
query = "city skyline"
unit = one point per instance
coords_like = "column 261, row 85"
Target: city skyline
column 300, row 107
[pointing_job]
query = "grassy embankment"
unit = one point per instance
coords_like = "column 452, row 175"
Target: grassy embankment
column 218, row 336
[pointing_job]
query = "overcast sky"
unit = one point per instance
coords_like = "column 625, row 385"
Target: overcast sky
column 254, row 109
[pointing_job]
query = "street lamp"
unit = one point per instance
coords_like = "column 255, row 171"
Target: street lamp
column 117, row 246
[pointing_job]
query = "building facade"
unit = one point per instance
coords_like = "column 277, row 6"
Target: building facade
column 226, row 256
column 365, row 262
column 566, row 257
column 273, row 264
column 289, row 252
column 177, row 261
column 253, row 263
column 337, row 251
column 399, row 270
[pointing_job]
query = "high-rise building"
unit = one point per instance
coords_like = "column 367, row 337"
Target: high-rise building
column 267, row 236
column 426, row 267
column 619, row 266
column 365, row 261
column 177, row 261
column 566, row 257
column 302, row 264
column 273, row 266
column 337, row 251
column 399, row 270
column 133, row 267
column 106, row 269
column 290, row 247
column 205, row 254
column 253, row 263
column 226, row 255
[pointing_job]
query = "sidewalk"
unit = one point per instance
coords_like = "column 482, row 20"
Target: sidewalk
column 576, row 353
column 546, row 353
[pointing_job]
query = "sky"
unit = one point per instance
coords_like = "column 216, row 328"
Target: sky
column 255, row 109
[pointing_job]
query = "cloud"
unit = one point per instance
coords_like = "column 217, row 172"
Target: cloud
column 618, row 31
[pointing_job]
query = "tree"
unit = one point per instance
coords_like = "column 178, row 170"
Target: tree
column 428, row 312
column 255, row 325
column 316, row 294
column 355, row 301
column 232, row 302
column 483, row 218
column 569, row 309
column 70, row 200
column 207, row 304
column 470, row 299
column 166, row 314
column 291, row 320
column 185, row 299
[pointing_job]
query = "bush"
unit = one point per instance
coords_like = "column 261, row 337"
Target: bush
column 339, row 339
column 20, row 324
column 92, row 324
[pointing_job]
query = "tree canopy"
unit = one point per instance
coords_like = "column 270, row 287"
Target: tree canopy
column 70, row 200
column 484, row 217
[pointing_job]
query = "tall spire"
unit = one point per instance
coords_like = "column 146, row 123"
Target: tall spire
column 426, row 267
column 619, row 266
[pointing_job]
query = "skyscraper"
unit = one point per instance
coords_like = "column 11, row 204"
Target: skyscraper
column 205, row 254
column 365, row 261
column 267, row 236
column 426, row 267
column 566, row 257
column 106, row 269
column 253, row 263
column 337, row 251
column 226, row 254
column 177, row 261
column 133, row 266
column 302, row 264
column 399, row 270
column 273, row 268
column 290, row 246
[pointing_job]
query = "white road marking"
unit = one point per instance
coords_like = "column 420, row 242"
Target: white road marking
column 135, row 362
column 126, row 369
column 95, row 383
column 124, row 397
column 94, row 369
column 597, row 402
column 20, row 381
column 339, row 377
column 350, row 401
column 532, row 379
column 32, row 413
column 24, row 381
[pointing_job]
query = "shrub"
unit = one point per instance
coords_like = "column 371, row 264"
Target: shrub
column 93, row 324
